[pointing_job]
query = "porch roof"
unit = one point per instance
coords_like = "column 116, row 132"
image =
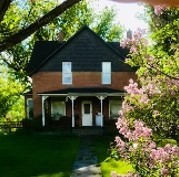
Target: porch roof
column 87, row 91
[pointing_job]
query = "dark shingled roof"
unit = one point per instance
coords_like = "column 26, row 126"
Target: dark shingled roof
column 41, row 51
column 86, row 50
column 85, row 90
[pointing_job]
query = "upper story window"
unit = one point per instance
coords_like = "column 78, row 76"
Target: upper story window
column 66, row 73
column 106, row 72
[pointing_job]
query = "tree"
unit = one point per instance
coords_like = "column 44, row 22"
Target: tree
column 10, row 101
column 155, row 101
column 25, row 31
column 68, row 23
column 163, row 22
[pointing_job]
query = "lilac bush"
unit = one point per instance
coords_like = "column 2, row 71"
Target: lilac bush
column 150, row 110
column 136, row 145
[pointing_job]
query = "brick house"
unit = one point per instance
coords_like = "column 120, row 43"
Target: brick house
column 80, row 80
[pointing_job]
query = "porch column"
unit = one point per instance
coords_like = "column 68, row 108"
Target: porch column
column 43, row 109
column 101, row 98
column 73, row 98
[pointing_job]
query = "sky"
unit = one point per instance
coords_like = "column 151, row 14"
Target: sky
column 127, row 13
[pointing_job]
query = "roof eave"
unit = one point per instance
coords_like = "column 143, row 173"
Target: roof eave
column 83, row 94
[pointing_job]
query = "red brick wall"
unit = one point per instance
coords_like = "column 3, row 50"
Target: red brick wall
column 44, row 81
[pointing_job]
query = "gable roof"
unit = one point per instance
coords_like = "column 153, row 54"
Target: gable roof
column 44, row 51
column 41, row 51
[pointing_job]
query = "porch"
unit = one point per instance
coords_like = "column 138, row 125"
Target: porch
column 81, row 107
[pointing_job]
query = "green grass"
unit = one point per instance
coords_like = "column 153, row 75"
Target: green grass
column 37, row 156
column 107, row 164
column 51, row 156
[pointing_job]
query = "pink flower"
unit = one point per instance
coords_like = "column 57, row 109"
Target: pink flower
column 144, row 99
column 164, row 172
column 120, row 144
column 160, row 155
column 133, row 49
column 139, row 33
column 152, row 145
column 158, row 10
column 132, row 88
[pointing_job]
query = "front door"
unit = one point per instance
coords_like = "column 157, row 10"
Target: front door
column 87, row 113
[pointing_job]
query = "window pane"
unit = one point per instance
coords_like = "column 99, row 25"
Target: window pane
column 66, row 68
column 67, row 78
column 86, row 108
column 57, row 109
column 106, row 73
column 30, row 103
column 67, row 74
column 115, row 106
column 30, row 108
column 106, row 67
column 106, row 79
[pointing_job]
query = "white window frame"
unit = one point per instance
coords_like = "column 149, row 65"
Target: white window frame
column 110, row 103
column 106, row 73
column 61, row 103
column 28, row 108
column 66, row 73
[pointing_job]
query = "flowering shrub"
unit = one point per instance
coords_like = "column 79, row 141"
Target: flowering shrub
column 156, row 100
column 151, row 107
column 137, row 146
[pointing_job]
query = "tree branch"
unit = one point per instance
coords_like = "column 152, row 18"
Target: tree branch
column 24, row 33
column 163, row 73
column 4, row 5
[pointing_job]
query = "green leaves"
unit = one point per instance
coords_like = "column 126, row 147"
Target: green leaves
column 10, row 92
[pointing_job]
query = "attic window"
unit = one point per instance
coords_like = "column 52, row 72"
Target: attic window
column 106, row 72
column 66, row 73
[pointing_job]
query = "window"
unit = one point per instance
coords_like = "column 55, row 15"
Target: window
column 114, row 107
column 66, row 73
column 29, row 108
column 87, row 108
column 106, row 73
column 58, row 109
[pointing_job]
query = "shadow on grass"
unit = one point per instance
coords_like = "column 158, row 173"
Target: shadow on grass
column 37, row 156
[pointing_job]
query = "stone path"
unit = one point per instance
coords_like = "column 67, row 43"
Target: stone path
column 86, row 164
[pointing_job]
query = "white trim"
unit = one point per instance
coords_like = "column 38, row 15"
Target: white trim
column 84, row 94
column 73, row 98
column 43, row 110
column 67, row 73
column 101, row 98
column 48, row 94
column 107, row 73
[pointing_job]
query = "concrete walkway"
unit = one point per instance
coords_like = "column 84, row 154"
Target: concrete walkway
column 86, row 161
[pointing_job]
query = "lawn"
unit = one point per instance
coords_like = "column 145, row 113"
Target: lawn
column 51, row 156
column 37, row 156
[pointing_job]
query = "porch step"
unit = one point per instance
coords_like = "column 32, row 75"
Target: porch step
column 87, row 131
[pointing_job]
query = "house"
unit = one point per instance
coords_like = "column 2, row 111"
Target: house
column 80, row 80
